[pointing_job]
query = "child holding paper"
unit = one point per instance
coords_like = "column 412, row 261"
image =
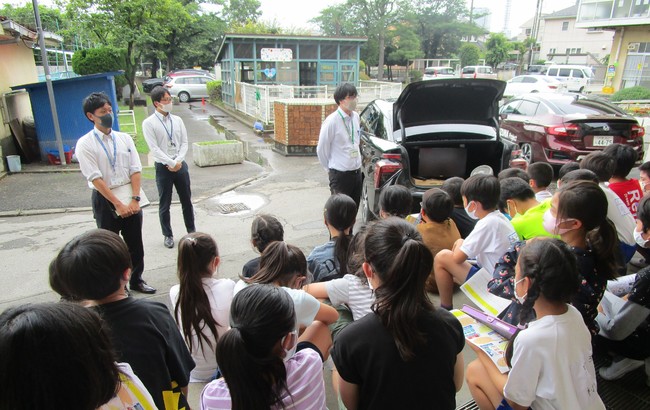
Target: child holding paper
column 550, row 361
column 491, row 237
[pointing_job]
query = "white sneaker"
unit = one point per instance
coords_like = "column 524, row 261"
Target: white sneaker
column 619, row 368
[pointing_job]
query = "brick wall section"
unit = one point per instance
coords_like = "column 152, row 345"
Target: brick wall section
column 298, row 122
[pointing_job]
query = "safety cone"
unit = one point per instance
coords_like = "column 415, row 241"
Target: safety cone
column 203, row 101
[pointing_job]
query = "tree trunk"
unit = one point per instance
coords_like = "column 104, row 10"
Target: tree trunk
column 130, row 73
column 380, row 63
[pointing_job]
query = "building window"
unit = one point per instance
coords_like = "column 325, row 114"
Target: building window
column 551, row 51
column 578, row 50
column 528, row 31
column 568, row 51
column 565, row 26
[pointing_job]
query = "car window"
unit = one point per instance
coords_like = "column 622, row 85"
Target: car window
column 528, row 108
column 577, row 73
column 530, row 80
column 565, row 72
column 380, row 127
column 542, row 109
column 204, row 80
column 429, row 71
column 511, row 107
column 181, row 80
column 552, row 72
column 517, row 80
column 468, row 70
column 447, row 71
column 368, row 119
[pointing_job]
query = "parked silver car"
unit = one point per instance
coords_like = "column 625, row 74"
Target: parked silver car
column 189, row 87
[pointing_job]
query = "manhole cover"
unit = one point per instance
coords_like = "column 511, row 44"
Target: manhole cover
column 232, row 208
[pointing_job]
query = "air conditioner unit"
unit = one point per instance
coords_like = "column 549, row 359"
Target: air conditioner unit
column 634, row 47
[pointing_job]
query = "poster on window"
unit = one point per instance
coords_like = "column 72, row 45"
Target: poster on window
column 276, row 54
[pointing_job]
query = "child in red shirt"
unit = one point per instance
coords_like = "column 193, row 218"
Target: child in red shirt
column 628, row 189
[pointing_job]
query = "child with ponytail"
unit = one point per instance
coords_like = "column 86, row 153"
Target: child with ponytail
column 257, row 359
column 551, row 363
column 406, row 354
column 200, row 302
column 264, row 230
column 329, row 261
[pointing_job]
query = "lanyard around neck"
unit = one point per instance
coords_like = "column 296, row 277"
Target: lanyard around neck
column 350, row 130
column 112, row 161
column 169, row 133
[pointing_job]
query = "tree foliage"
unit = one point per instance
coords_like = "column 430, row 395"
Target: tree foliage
column 497, row 47
column 469, row 54
column 100, row 60
column 404, row 46
column 240, row 12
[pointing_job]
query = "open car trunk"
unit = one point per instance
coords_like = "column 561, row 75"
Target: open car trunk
column 429, row 164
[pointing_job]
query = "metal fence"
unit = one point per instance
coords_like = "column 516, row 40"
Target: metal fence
column 257, row 100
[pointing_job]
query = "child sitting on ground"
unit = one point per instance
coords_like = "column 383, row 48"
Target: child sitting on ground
column 329, row 261
column 541, row 176
column 463, row 222
column 264, row 230
column 395, row 200
column 626, row 333
column 518, row 200
column 628, row 189
column 438, row 230
column 95, row 267
column 201, row 303
column 551, row 366
column 264, row 363
column 491, row 237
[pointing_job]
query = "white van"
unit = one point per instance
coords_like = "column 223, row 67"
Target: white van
column 576, row 77
column 431, row 73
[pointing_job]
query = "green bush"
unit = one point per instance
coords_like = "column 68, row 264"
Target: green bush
column 214, row 90
column 100, row 60
column 469, row 54
column 632, row 93
column 363, row 76
column 415, row 75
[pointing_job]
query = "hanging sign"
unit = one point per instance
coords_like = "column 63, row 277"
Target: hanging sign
column 276, row 54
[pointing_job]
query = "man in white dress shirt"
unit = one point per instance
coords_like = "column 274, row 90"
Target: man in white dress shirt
column 167, row 139
column 108, row 159
column 338, row 144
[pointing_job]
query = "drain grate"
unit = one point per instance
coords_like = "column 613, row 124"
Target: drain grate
column 232, row 208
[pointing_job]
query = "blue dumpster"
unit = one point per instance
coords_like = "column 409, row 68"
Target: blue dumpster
column 68, row 95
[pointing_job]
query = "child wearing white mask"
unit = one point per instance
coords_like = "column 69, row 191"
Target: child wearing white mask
column 491, row 237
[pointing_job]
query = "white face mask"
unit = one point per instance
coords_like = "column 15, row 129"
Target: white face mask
column 639, row 239
column 288, row 354
column 166, row 107
column 472, row 214
column 520, row 299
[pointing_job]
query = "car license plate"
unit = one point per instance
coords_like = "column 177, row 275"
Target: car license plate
column 603, row 141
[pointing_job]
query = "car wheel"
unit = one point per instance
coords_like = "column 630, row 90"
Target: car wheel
column 527, row 152
column 183, row 97
column 534, row 91
column 366, row 213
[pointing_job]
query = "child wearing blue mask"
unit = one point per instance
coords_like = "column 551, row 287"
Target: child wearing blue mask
column 491, row 237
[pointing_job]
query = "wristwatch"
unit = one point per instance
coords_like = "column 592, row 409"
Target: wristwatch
column 137, row 198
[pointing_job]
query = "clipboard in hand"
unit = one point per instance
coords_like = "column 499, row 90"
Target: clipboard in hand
column 125, row 192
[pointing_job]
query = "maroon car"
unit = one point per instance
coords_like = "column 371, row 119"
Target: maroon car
column 558, row 128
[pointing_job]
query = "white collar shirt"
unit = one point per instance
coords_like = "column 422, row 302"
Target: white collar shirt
column 96, row 154
column 338, row 142
column 167, row 138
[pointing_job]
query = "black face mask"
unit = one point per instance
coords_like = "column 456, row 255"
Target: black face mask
column 106, row 121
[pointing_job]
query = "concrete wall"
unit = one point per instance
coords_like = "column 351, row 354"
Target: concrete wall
column 631, row 34
column 17, row 66
column 587, row 41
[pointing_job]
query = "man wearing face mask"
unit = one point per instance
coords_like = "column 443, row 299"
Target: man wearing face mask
column 108, row 159
column 338, row 144
column 166, row 136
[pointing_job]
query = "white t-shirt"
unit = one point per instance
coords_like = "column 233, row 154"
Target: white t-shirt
column 132, row 393
column 220, row 292
column 620, row 215
column 305, row 304
column 490, row 239
column 351, row 291
column 552, row 367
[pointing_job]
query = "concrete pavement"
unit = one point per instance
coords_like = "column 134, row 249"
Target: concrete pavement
column 294, row 189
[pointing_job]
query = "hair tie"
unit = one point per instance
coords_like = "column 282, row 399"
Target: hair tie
column 406, row 238
column 191, row 240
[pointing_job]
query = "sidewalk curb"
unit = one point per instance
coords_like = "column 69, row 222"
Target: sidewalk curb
column 34, row 212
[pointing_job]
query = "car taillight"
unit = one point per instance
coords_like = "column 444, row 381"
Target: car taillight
column 637, row 132
column 552, row 87
column 566, row 130
column 385, row 168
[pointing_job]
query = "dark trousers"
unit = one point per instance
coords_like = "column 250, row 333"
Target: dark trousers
column 346, row 182
column 166, row 180
column 130, row 228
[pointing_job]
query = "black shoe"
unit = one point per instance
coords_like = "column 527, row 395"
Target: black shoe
column 142, row 287
column 169, row 242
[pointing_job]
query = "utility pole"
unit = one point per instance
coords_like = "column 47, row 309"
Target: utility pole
column 48, row 81
column 534, row 32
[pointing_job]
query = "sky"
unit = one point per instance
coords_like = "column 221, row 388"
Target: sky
column 297, row 13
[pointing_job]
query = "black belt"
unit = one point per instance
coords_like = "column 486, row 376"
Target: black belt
column 356, row 171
